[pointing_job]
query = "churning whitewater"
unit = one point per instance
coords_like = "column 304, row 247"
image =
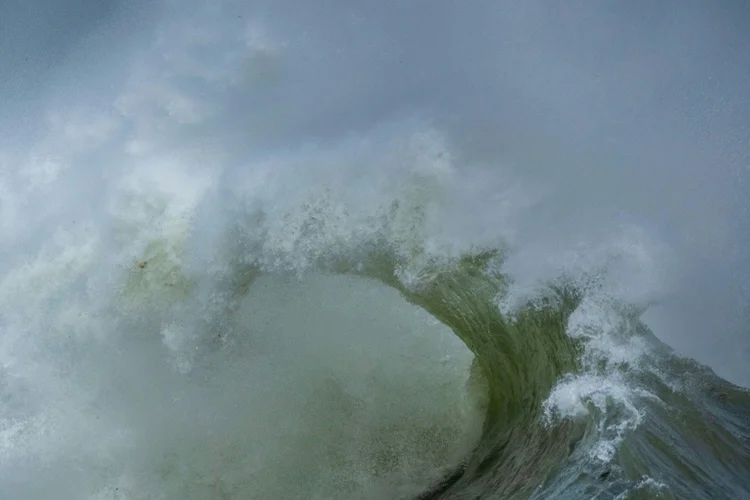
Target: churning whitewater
column 358, row 250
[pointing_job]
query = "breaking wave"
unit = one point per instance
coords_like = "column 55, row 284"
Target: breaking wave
column 229, row 280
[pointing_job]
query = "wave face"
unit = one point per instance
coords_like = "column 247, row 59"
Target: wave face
column 420, row 251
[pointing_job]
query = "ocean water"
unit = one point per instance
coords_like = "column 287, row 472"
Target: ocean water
column 374, row 250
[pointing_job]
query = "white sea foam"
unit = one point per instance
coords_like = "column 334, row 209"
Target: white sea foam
column 604, row 390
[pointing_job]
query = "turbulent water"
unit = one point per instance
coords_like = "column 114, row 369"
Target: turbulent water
column 360, row 251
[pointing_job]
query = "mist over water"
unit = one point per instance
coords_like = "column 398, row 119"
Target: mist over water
column 154, row 155
column 609, row 115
